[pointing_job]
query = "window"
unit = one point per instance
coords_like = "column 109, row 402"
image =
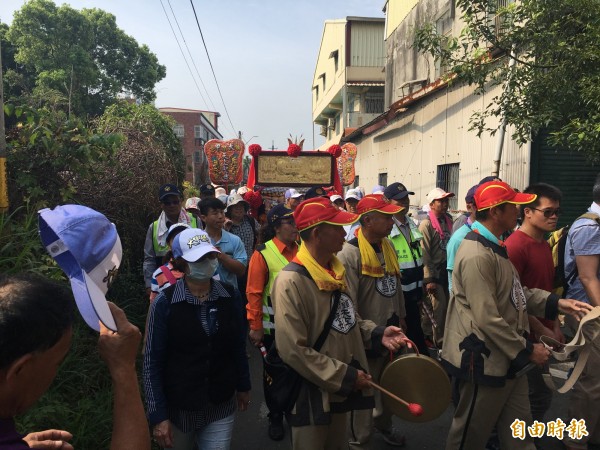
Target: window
column 356, row 181
column 179, row 130
column 444, row 28
column 382, row 179
column 447, row 179
column 335, row 54
column 197, row 157
column 374, row 102
column 197, row 131
column 353, row 102
column 331, row 123
column 316, row 89
column 496, row 18
column 323, row 76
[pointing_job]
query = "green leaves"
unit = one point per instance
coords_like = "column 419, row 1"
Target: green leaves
column 556, row 81
column 80, row 57
column 44, row 151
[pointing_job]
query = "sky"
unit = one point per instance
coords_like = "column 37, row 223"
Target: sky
column 263, row 53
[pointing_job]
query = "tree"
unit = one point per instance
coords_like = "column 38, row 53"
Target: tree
column 80, row 58
column 554, row 82
column 114, row 163
column 48, row 154
column 125, row 185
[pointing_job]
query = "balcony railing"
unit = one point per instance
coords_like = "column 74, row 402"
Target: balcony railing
column 357, row 119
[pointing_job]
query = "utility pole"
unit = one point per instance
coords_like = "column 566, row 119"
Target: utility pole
column 3, row 182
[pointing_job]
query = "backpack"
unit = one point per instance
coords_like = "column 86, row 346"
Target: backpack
column 558, row 243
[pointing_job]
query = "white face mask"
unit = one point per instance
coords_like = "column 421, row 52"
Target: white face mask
column 203, row 270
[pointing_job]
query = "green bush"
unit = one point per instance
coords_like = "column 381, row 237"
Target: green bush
column 80, row 398
column 20, row 246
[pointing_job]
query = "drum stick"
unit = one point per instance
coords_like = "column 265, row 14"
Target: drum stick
column 414, row 408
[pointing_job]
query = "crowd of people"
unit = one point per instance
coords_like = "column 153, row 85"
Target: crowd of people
column 357, row 273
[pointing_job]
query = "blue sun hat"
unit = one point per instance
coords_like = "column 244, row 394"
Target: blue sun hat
column 86, row 246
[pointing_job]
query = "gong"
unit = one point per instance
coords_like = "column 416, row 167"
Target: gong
column 416, row 379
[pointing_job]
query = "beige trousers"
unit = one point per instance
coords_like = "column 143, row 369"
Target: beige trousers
column 322, row 437
column 363, row 421
column 438, row 303
column 481, row 407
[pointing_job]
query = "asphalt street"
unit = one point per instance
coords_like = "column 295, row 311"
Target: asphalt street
column 250, row 431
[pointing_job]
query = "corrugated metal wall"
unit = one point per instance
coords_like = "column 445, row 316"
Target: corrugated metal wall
column 436, row 132
column 367, row 45
column 569, row 171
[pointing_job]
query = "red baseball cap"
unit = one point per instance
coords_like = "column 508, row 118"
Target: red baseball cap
column 494, row 193
column 318, row 210
column 375, row 202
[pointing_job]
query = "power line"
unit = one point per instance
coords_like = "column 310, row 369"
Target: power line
column 191, row 57
column 183, row 54
column 211, row 66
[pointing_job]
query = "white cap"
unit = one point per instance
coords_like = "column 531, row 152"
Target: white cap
column 334, row 198
column 235, row 199
column 352, row 193
column 192, row 202
column 438, row 194
column 192, row 244
column 292, row 193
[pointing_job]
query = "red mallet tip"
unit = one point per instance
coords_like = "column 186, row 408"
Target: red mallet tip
column 415, row 409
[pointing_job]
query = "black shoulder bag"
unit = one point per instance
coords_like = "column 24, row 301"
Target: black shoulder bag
column 283, row 383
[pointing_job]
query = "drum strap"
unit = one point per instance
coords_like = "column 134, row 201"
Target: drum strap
column 579, row 344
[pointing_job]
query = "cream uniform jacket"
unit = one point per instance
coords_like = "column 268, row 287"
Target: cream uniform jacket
column 379, row 299
column 301, row 310
column 434, row 253
column 484, row 340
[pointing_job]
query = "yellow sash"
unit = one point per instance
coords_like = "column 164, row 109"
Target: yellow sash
column 323, row 278
column 370, row 263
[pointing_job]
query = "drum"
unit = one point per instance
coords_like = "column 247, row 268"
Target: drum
column 416, row 379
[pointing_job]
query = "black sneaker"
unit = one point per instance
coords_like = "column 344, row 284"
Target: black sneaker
column 392, row 437
column 276, row 431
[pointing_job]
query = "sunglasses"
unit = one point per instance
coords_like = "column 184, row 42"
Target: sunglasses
column 171, row 202
column 549, row 212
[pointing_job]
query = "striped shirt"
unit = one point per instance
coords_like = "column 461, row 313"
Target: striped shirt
column 155, row 357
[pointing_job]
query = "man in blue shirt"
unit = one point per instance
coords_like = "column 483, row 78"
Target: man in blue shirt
column 582, row 270
column 459, row 234
column 233, row 258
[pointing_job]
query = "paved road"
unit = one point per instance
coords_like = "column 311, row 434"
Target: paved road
column 251, row 427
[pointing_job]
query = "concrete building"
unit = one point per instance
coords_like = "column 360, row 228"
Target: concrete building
column 195, row 127
column 348, row 84
column 423, row 138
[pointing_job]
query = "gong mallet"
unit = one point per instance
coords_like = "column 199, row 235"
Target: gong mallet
column 414, row 408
